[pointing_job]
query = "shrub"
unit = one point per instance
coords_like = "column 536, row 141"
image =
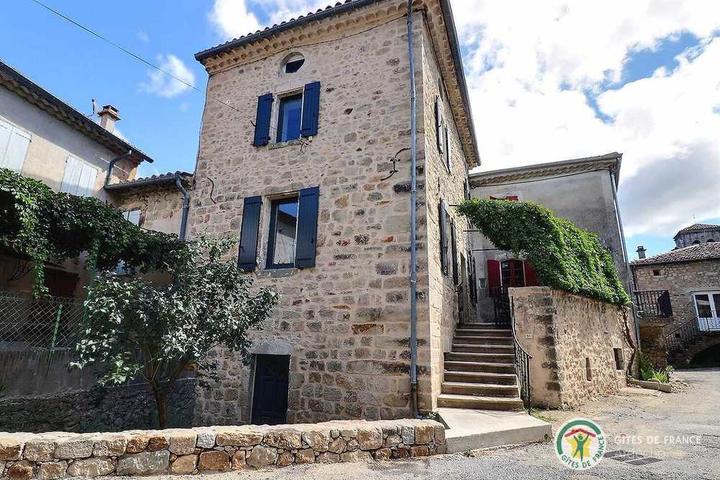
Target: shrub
column 564, row 256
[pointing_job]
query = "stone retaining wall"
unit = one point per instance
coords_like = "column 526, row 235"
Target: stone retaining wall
column 213, row 449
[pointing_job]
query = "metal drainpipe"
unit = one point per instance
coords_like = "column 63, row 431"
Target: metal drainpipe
column 112, row 165
column 626, row 258
column 413, row 219
column 185, row 206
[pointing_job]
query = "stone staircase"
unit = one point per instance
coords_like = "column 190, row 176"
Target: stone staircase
column 480, row 370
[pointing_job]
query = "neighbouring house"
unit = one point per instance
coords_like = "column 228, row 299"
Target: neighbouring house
column 677, row 294
column 44, row 138
column 583, row 190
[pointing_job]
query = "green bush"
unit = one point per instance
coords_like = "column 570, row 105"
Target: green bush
column 564, row 256
column 42, row 225
column 650, row 373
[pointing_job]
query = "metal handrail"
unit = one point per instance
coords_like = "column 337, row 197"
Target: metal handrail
column 682, row 335
column 653, row 303
column 522, row 362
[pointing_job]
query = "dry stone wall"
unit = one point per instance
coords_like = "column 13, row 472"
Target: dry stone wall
column 572, row 341
column 217, row 449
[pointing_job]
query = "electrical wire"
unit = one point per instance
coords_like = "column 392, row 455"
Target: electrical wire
column 127, row 52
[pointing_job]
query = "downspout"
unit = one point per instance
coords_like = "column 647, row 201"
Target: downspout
column 112, row 165
column 185, row 206
column 413, row 219
column 629, row 272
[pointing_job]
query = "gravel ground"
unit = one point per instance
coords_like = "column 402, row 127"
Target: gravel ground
column 645, row 425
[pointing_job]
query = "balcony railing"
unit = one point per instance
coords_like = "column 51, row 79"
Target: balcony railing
column 44, row 323
column 653, row 303
column 709, row 324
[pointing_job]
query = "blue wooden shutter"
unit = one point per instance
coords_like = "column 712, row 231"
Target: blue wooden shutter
column 307, row 227
column 262, row 120
column 247, row 254
column 442, row 220
column 311, row 110
column 453, row 248
column 439, row 126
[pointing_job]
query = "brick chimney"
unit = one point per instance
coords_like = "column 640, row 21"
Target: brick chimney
column 109, row 116
column 641, row 252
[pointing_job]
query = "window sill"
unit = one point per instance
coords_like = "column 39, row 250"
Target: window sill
column 290, row 143
column 277, row 272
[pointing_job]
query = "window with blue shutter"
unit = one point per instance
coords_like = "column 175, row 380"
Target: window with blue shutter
column 453, row 248
column 262, row 120
column 443, row 221
column 439, row 126
column 307, row 227
column 311, row 110
column 247, row 254
column 448, row 149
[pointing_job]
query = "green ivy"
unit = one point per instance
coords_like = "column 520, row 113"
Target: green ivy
column 564, row 256
column 42, row 225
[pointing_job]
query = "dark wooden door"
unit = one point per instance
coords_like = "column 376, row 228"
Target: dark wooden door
column 270, row 392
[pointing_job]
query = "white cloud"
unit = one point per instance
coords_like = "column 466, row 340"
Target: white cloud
column 165, row 85
column 236, row 18
column 530, row 64
column 232, row 18
column 143, row 36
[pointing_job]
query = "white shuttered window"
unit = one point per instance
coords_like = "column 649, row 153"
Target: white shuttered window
column 13, row 146
column 79, row 178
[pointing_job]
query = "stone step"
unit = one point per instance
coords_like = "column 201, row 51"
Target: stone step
column 482, row 377
column 482, row 332
column 480, row 389
column 484, row 340
column 455, row 366
column 475, row 429
column 477, row 348
column 491, row 357
column 450, row 400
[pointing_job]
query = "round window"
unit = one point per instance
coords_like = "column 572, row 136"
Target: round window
column 293, row 63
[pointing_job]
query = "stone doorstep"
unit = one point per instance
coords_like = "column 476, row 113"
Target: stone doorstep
column 477, row 429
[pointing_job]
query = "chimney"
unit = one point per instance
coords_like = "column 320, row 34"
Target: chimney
column 641, row 252
column 109, row 116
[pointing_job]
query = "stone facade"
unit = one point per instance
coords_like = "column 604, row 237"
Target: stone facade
column 681, row 280
column 572, row 341
column 345, row 322
column 211, row 450
column 160, row 206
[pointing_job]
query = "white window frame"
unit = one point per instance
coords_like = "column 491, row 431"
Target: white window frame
column 708, row 324
column 14, row 130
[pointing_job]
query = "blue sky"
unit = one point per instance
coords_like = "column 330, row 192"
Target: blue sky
column 548, row 81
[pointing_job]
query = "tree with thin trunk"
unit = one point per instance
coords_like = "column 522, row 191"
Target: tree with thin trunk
column 140, row 328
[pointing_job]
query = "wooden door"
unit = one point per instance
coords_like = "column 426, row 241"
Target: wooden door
column 270, row 394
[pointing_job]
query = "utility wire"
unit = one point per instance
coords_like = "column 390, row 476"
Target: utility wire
column 125, row 50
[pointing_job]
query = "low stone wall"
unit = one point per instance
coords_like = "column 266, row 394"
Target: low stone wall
column 572, row 340
column 96, row 409
column 214, row 449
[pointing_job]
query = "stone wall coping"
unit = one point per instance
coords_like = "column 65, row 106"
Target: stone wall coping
column 188, row 451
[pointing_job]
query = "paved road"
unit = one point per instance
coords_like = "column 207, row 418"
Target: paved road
column 693, row 413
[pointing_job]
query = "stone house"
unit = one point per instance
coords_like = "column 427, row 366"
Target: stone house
column 678, row 297
column 308, row 156
column 583, row 190
column 45, row 138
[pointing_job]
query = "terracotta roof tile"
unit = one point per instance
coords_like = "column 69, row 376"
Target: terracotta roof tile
column 693, row 253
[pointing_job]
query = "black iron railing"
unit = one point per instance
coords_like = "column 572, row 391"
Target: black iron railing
column 682, row 336
column 501, row 302
column 653, row 303
column 522, row 364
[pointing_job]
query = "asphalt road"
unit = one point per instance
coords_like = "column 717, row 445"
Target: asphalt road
column 681, row 430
